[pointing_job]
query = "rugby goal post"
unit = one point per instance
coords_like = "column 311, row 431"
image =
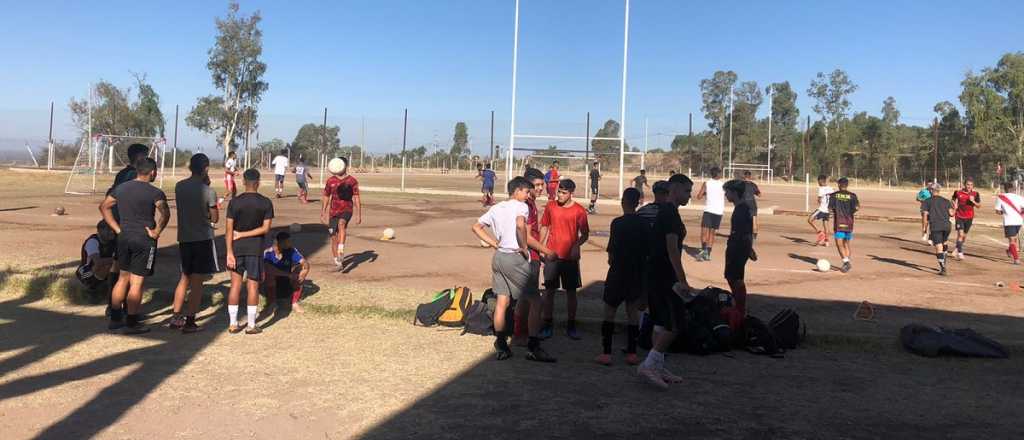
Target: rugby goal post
column 92, row 152
column 510, row 159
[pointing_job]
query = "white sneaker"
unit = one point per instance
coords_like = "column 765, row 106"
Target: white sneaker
column 668, row 377
column 960, row 256
column 653, row 376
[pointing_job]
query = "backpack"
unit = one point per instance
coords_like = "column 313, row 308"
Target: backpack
column 760, row 339
column 788, row 329
column 427, row 314
column 454, row 314
column 480, row 315
column 704, row 331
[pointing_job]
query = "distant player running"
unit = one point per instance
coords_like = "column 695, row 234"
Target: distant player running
column 964, row 201
column 821, row 214
column 487, row 177
column 937, row 211
column 301, row 179
column 1010, row 205
column 923, row 195
column 280, row 164
column 640, row 182
column 595, row 179
column 230, row 171
column 714, row 208
column 843, row 205
column 339, row 204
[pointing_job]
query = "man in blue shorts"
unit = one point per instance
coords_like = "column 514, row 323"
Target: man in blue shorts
column 843, row 205
column 487, row 188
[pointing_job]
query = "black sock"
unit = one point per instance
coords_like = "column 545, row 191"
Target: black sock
column 133, row 320
column 116, row 314
column 632, row 334
column 501, row 340
column 190, row 319
column 941, row 256
column 709, row 250
column 549, row 322
column 533, row 343
column 607, row 328
column 960, row 247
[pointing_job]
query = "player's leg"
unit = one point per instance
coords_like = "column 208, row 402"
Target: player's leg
column 296, row 292
column 252, row 300
column 134, row 303
column 569, row 274
column 177, row 318
column 342, row 235
column 195, row 299
column 937, row 237
column 607, row 331
column 500, row 334
column 632, row 331
column 117, row 297
column 234, row 294
column 551, row 284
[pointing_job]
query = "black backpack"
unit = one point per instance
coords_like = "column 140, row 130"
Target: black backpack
column 704, row 331
column 760, row 339
column 427, row 314
column 788, row 329
column 480, row 315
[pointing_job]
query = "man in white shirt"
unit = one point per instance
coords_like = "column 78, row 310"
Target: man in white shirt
column 713, row 209
column 280, row 164
column 1009, row 205
column 230, row 171
column 821, row 213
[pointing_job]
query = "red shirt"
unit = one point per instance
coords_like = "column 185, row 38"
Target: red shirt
column 564, row 226
column 964, row 206
column 534, row 226
column 553, row 180
column 341, row 190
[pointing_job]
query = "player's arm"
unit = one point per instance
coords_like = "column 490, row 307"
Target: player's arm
column 675, row 258
column 358, row 206
column 703, row 191
column 304, row 270
column 164, row 215
column 229, row 240
column 264, row 229
column 214, row 214
column 107, row 211
column 325, row 205
column 584, row 235
column 480, row 230
column 521, row 236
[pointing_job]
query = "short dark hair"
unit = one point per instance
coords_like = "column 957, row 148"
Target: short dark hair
column 715, row 172
column 136, row 150
column 251, row 175
column 532, row 174
column 736, row 186
column 344, row 159
column 230, row 153
column 567, row 184
column 746, row 173
column 104, row 232
column 681, row 179
column 487, row 166
column 631, row 197
column 282, row 235
column 145, row 166
column 1007, row 186
column 284, row 152
column 822, row 177
column 843, row 181
column 518, row 183
column 659, row 187
column 969, row 179
column 643, row 171
column 198, row 163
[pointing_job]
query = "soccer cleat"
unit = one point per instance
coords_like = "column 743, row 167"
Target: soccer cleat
column 604, row 359
column 652, row 376
column 668, row 377
column 115, row 325
column 632, row 359
column 846, row 267
column 572, row 334
column 960, row 256
column 253, row 330
column 177, row 322
column 136, row 329
column 501, row 353
column 190, row 327
column 539, row 355
column 942, row 269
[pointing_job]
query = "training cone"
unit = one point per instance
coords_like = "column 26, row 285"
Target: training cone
column 865, row 312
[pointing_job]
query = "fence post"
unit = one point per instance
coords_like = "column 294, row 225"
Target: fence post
column 807, row 192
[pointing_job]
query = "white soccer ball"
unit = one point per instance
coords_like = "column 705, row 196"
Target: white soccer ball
column 823, row 265
column 336, row 166
column 389, row 234
column 295, row 228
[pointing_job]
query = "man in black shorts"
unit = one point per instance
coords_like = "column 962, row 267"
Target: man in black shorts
column 750, row 195
column 197, row 213
column 595, row 179
column 627, row 257
column 249, row 216
column 669, row 289
column 937, row 211
column 740, row 243
column 137, row 202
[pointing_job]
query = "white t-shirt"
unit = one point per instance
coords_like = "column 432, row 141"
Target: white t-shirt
column 280, row 164
column 230, row 164
column 715, row 196
column 1011, row 217
column 823, row 193
column 502, row 220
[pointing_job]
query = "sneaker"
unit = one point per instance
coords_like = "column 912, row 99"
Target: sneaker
column 502, row 353
column 539, row 355
column 254, row 330
column 632, row 359
column 604, row 359
column 177, row 322
column 702, row 256
column 191, row 327
column 846, row 267
column 652, row 376
column 572, row 334
column 115, row 325
column 137, row 329
column 668, row 377
column 545, row 332
column 960, row 256
column 236, row 328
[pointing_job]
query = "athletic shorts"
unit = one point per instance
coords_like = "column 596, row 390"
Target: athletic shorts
column 964, row 224
column 623, row 285
column 844, row 235
column 333, row 227
column 513, row 275
column 229, row 183
column 136, row 254
column 593, row 190
column 198, row 257
column 938, row 237
column 710, row 220
column 923, row 208
column 819, row 215
column 1011, row 231
column 278, row 178
column 250, row 266
column 666, row 308
column 562, row 273
column 737, row 252
column 487, row 189
column 302, row 185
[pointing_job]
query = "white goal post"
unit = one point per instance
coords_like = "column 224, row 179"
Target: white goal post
column 92, row 152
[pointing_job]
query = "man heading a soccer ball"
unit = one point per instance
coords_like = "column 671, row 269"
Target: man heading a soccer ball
column 338, row 204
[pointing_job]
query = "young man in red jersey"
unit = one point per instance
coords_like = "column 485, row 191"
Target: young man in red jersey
column 339, row 204
column 564, row 229
column 964, row 201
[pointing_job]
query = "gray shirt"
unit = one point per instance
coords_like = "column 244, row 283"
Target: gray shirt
column 136, row 206
column 194, row 199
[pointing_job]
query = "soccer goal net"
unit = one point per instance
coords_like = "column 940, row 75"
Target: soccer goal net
column 101, row 156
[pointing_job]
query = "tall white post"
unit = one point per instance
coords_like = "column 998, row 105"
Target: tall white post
column 731, row 171
column 94, row 162
column 110, row 160
column 770, row 134
column 512, row 125
column 403, row 173
column 807, row 192
column 622, row 109
column 643, row 157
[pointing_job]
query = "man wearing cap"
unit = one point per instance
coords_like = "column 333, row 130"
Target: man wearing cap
column 843, row 205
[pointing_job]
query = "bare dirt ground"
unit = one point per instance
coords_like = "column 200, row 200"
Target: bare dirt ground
column 354, row 366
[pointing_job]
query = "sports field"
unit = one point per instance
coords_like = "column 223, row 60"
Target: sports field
column 354, row 366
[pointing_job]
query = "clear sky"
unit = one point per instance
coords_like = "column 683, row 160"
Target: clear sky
column 448, row 61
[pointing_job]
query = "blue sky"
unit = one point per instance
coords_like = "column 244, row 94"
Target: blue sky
column 451, row 61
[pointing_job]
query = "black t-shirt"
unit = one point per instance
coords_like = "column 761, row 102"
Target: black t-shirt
column 136, row 205
column 937, row 208
column 126, row 174
column 667, row 222
column 750, row 193
column 628, row 242
column 741, row 223
column 843, row 204
column 595, row 176
column 649, row 213
column 248, row 211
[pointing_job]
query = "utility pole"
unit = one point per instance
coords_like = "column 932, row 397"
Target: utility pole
column 362, row 140
column 494, row 151
column 405, row 126
column 644, row 156
column 770, row 111
column 49, row 144
column 731, row 92
column 807, row 132
column 174, row 156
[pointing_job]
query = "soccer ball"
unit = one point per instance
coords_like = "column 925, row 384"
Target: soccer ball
column 389, row 234
column 59, row 211
column 823, row 265
column 336, row 166
column 295, row 228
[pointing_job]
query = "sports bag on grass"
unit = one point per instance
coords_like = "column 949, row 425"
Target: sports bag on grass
column 454, row 315
column 789, row 330
column 428, row 313
column 479, row 319
column 933, row 341
column 760, row 338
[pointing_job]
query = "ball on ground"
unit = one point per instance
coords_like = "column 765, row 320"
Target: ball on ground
column 295, row 228
column 336, row 166
column 59, row 211
column 388, row 234
column 823, row 265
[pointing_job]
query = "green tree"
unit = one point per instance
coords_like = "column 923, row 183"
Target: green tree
column 994, row 103
column 460, row 142
column 310, row 140
column 831, row 95
column 785, row 116
column 747, row 132
column 608, row 149
column 237, row 71
column 890, row 114
column 715, row 92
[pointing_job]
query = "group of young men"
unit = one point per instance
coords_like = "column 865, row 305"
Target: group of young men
column 122, row 254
